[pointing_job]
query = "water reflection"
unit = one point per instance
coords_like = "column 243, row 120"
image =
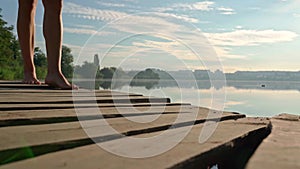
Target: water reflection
column 253, row 98
column 199, row 84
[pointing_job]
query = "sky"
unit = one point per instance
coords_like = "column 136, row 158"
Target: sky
column 229, row 35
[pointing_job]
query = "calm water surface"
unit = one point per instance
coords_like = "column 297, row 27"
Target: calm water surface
column 250, row 98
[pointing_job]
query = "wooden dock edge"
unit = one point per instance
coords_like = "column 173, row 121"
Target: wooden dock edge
column 234, row 154
column 281, row 148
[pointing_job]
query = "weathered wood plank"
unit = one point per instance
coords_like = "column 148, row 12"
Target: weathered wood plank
column 12, row 118
column 281, row 149
column 22, row 136
column 64, row 93
column 17, row 85
column 44, row 94
column 24, row 114
column 15, row 107
column 188, row 154
column 68, row 100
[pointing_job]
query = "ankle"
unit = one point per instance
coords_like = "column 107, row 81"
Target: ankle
column 54, row 73
column 30, row 74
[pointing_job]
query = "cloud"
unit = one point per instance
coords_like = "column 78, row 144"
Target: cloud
column 138, row 24
column 198, row 6
column 79, row 31
column 254, row 8
column 180, row 17
column 174, row 48
column 84, row 26
column 129, row 25
column 111, row 4
column 239, row 27
column 110, row 15
column 296, row 15
column 87, row 31
column 250, row 37
column 226, row 11
column 201, row 6
column 163, row 9
column 133, row 1
column 91, row 13
column 225, row 53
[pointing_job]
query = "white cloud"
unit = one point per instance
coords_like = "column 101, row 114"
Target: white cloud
column 91, row 13
column 255, row 8
column 111, row 4
column 133, row 1
column 163, row 9
column 180, row 17
column 84, row 26
column 174, row 48
column 239, row 27
column 296, row 15
column 226, row 11
column 138, row 24
column 250, row 37
column 225, row 53
column 79, row 31
column 201, row 6
column 198, row 6
column 87, row 31
column 110, row 15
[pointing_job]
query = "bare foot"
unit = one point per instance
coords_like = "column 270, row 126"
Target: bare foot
column 59, row 81
column 30, row 78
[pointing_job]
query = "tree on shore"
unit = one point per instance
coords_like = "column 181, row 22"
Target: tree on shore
column 86, row 71
column 67, row 62
column 40, row 62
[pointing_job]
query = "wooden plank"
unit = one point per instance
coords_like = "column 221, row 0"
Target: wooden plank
column 188, row 154
column 22, row 136
column 10, row 85
column 12, row 118
column 43, row 94
column 67, row 93
column 62, row 92
column 15, row 107
column 9, row 99
column 69, row 100
column 24, row 114
column 20, row 85
column 281, row 149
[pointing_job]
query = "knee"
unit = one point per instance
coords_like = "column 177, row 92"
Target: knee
column 53, row 5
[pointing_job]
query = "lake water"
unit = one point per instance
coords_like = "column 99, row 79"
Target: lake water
column 250, row 98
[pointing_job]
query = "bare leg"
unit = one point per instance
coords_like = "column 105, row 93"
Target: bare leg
column 26, row 31
column 53, row 29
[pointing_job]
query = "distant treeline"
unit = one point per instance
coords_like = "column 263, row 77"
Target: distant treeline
column 93, row 71
column 264, row 75
column 204, row 75
column 113, row 78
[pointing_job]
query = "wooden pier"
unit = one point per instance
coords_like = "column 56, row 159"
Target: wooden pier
column 39, row 128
